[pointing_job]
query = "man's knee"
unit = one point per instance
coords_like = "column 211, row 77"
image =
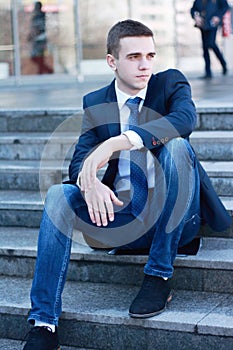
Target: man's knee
column 54, row 193
column 63, row 196
column 59, row 195
column 180, row 151
column 177, row 145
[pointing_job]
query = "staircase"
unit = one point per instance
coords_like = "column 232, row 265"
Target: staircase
column 35, row 148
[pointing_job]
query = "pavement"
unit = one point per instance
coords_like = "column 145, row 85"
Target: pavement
column 49, row 92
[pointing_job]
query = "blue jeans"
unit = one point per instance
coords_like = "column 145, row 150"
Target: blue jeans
column 172, row 221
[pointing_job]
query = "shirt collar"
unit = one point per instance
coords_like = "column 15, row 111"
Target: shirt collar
column 122, row 97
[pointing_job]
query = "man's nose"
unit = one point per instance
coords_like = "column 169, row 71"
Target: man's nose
column 144, row 63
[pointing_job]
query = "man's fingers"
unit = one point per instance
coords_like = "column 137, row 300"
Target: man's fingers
column 91, row 214
column 103, row 214
column 116, row 200
column 98, row 214
column 100, row 201
column 110, row 210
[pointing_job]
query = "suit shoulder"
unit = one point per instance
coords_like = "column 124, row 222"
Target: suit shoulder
column 98, row 96
column 171, row 73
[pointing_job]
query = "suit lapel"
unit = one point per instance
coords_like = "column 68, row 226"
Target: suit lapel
column 111, row 111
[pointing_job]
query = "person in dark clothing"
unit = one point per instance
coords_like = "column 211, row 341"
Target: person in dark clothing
column 38, row 39
column 208, row 16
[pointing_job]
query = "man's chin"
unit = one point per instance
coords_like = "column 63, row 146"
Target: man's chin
column 141, row 85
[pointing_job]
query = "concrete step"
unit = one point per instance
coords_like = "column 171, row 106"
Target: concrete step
column 24, row 208
column 213, row 145
column 221, row 175
column 37, row 146
column 215, row 118
column 193, row 320
column 9, row 344
column 47, row 120
column 209, row 145
column 211, row 270
column 31, row 174
column 42, row 120
column 20, row 208
column 34, row 175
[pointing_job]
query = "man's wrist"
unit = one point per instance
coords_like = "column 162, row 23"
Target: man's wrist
column 119, row 143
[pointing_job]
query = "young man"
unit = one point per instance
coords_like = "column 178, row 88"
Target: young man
column 149, row 196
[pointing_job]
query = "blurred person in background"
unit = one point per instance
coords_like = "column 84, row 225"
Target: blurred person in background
column 37, row 37
column 208, row 16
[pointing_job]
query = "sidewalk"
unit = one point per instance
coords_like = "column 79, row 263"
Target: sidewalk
column 62, row 92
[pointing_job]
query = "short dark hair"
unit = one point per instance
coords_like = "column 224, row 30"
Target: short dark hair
column 124, row 29
column 38, row 5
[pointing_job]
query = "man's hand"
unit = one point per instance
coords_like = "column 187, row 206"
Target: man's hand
column 95, row 161
column 215, row 21
column 199, row 21
column 99, row 157
column 100, row 199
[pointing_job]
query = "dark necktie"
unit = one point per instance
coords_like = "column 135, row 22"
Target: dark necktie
column 138, row 167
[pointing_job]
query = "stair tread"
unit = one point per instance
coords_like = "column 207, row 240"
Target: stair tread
column 33, row 165
column 17, row 198
column 209, row 135
column 9, row 344
column 214, row 168
column 202, row 312
column 215, row 253
column 37, row 135
column 24, row 196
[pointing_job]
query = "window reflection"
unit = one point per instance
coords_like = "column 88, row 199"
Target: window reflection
column 6, row 43
column 47, row 37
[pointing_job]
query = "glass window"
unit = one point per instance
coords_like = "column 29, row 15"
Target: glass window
column 6, row 41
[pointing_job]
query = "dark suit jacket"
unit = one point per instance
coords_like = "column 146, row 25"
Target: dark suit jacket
column 210, row 9
column 168, row 112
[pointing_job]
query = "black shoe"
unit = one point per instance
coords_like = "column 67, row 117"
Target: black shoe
column 42, row 338
column 206, row 77
column 224, row 70
column 152, row 298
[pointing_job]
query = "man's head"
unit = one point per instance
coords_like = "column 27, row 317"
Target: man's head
column 38, row 6
column 131, row 53
column 120, row 30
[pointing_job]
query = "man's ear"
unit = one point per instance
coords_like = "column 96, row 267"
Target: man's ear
column 111, row 61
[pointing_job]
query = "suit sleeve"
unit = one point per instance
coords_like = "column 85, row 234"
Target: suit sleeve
column 86, row 143
column 180, row 119
column 194, row 9
column 223, row 7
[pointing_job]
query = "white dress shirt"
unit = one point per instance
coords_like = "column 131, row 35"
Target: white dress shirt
column 123, row 177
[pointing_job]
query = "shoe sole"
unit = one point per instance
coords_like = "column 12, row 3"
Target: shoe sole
column 152, row 313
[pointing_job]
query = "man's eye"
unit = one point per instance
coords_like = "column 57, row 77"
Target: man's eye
column 152, row 55
column 133, row 57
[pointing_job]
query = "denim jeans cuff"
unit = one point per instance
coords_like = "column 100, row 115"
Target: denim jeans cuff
column 153, row 272
column 34, row 317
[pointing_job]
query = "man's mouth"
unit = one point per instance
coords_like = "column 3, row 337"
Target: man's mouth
column 143, row 76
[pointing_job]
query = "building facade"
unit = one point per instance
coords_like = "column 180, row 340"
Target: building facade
column 75, row 35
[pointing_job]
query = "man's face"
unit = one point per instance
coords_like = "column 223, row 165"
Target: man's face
column 133, row 67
